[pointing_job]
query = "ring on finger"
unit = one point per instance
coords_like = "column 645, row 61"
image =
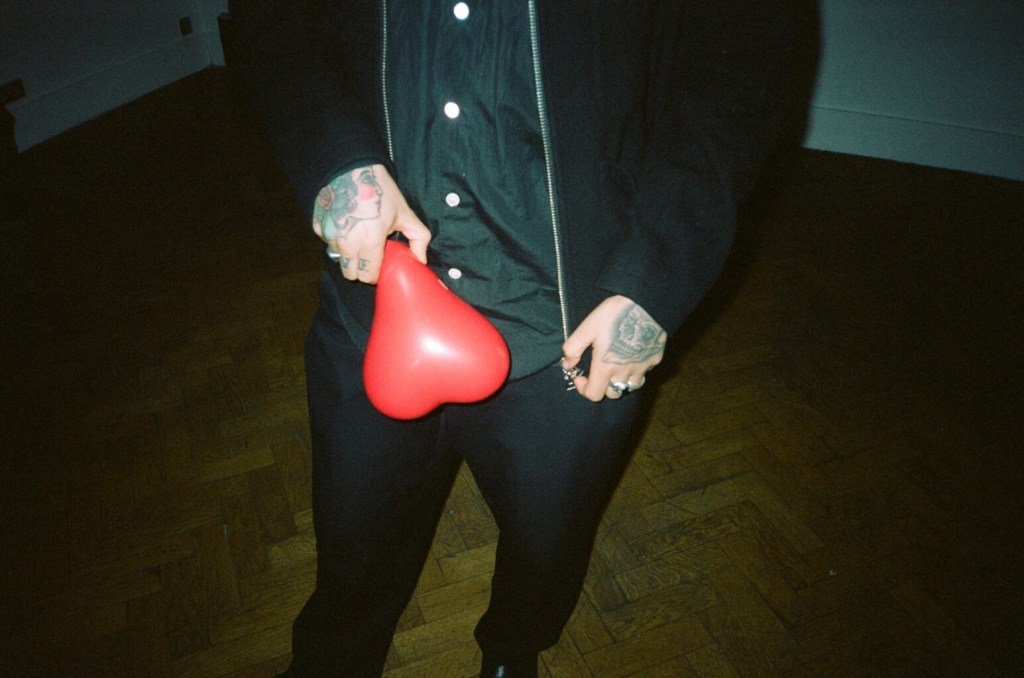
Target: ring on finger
column 623, row 387
column 620, row 387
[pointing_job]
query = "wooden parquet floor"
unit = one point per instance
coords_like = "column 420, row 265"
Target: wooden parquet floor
column 829, row 483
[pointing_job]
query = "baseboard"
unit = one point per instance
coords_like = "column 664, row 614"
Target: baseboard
column 915, row 141
column 42, row 116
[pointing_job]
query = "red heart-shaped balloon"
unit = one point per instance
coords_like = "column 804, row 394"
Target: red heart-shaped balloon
column 427, row 346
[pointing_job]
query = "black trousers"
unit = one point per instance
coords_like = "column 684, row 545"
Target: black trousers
column 546, row 461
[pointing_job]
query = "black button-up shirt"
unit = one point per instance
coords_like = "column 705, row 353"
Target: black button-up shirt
column 469, row 156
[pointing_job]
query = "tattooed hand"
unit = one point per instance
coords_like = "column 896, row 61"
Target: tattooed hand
column 354, row 215
column 626, row 342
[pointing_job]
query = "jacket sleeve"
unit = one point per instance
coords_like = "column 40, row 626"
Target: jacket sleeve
column 307, row 67
column 714, row 105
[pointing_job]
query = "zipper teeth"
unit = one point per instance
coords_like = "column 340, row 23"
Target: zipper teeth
column 384, row 78
column 545, row 134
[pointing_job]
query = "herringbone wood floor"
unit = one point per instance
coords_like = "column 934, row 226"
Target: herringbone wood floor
column 828, row 485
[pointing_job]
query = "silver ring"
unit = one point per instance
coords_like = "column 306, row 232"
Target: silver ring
column 619, row 387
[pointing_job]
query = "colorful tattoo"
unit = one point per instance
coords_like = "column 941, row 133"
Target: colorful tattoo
column 350, row 198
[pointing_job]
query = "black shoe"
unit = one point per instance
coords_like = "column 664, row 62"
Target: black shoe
column 517, row 668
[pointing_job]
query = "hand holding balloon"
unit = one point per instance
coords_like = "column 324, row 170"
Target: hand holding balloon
column 356, row 212
column 427, row 346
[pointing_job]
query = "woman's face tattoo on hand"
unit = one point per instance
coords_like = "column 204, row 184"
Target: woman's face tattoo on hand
column 352, row 197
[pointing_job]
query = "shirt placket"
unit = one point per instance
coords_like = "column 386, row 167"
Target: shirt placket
column 475, row 161
column 453, row 111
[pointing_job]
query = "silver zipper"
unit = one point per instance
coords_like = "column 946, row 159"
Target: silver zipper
column 384, row 78
column 545, row 135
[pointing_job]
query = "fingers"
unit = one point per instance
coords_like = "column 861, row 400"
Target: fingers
column 402, row 219
column 575, row 346
column 604, row 383
column 618, row 388
column 572, row 352
column 418, row 236
column 367, row 252
column 625, row 343
column 605, row 380
column 360, row 260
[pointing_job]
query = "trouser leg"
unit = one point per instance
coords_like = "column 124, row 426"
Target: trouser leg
column 378, row 488
column 547, row 461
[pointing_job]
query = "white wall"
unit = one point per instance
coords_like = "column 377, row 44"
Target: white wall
column 80, row 58
column 935, row 82
column 932, row 82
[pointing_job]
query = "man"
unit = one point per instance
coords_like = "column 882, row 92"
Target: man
column 570, row 168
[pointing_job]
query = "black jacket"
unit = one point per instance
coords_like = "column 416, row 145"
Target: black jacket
column 661, row 114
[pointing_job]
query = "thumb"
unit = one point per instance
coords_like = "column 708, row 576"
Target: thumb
column 576, row 345
column 417, row 233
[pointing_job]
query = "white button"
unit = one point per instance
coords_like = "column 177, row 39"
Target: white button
column 461, row 11
column 452, row 199
column 454, row 273
column 451, row 109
